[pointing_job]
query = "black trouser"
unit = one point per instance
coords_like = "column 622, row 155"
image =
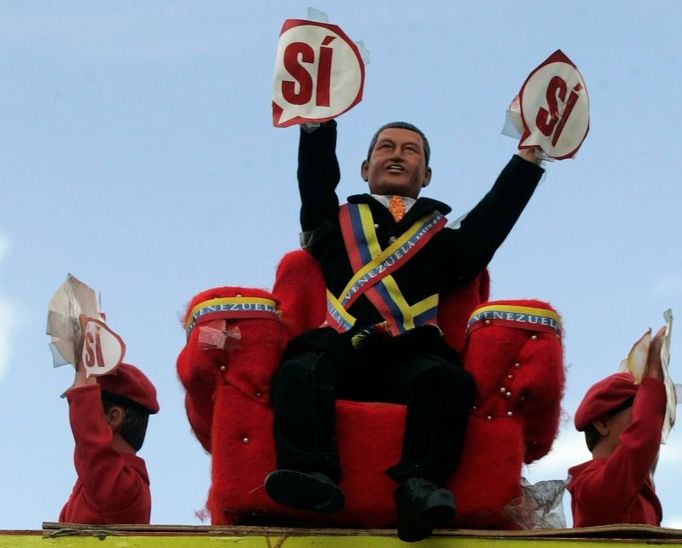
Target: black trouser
column 437, row 391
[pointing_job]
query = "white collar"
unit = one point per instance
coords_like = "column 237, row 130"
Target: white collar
column 384, row 200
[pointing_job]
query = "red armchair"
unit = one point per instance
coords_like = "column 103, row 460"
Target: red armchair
column 513, row 350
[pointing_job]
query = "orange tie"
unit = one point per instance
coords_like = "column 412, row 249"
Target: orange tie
column 397, row 207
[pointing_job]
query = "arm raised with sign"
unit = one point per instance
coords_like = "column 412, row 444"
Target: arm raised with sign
column 471, row 245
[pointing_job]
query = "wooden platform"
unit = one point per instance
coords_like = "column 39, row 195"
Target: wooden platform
column 174, row 536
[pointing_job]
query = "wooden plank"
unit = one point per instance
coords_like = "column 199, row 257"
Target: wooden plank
column 622, row 531
column 177, row 536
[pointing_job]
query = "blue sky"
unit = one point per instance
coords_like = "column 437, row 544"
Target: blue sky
column 137, row 152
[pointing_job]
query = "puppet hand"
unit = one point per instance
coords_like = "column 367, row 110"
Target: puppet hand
column 534, row 155
column 309, row 127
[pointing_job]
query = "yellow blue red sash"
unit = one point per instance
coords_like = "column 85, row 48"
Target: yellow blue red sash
column 373, row 267
column 520, row 317
column 231, row 308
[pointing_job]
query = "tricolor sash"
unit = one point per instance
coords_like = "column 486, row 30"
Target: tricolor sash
column 519, row 317
column 231, row 308
column 373, row 267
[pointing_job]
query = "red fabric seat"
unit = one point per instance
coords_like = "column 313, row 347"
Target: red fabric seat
column 518, row 371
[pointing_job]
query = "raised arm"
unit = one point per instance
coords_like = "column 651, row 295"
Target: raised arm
column 486, row 226
column 318, row 175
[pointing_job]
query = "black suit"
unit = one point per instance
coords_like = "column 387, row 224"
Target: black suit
column 417, row 368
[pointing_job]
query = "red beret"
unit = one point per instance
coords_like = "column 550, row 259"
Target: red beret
column 128, row 382
column 603, row 397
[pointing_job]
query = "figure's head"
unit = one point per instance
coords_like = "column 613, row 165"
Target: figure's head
column 128, row 398
column 606, row 411
column 397, row 160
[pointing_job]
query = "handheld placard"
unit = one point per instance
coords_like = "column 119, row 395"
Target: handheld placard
column 319, row 73
column 552, row 110
column 78, row 332
column 671, row 389
column 636, row 360
column 636, row 364
column 103, row 350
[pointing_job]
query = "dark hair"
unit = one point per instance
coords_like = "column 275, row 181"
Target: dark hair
column 592, row 435
column 134, row 425
column 401, row 125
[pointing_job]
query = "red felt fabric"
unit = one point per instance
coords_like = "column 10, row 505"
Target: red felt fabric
column 112, row 487
column 503, row 431
column 519, row 371
column 247, row 361
column 300, row 287
column 369, row 441
column 603, row 397
column 456, row 306
column 127, row 381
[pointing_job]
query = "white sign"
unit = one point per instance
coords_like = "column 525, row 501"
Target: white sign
column 319, row 73
column 636, row 363
column 103, row 350
column 78, row 332
column 670, row 387
column 555, row 108
column 72, row 300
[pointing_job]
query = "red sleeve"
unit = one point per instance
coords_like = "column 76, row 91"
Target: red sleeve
column 110, row 483
column 607, row 490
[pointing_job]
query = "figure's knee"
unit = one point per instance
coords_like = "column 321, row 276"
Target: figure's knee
column 442, row 376
column 302, row 372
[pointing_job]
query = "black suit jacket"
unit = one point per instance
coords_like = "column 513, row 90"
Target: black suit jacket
column 453, row 257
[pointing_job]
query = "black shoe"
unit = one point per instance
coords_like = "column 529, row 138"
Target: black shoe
column 422, row 507
column 311, row 491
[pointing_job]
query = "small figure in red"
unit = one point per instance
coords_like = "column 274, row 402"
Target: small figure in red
column 622, row 422
column 108, row 417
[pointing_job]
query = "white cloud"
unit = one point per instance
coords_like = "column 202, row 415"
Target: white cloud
column 674, row 522
column 568, row 450
column 5, row 318
column 672, row 450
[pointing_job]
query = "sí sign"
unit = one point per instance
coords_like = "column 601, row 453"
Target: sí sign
column 555, row 108
column 319, row 73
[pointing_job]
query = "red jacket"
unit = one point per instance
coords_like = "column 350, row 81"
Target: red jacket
column 112, row 487
column 618, row 489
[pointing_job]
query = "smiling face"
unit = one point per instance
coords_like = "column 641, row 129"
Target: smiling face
column 397, row 164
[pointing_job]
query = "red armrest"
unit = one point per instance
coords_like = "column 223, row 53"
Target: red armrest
column 518, row 368
column 249, row 353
